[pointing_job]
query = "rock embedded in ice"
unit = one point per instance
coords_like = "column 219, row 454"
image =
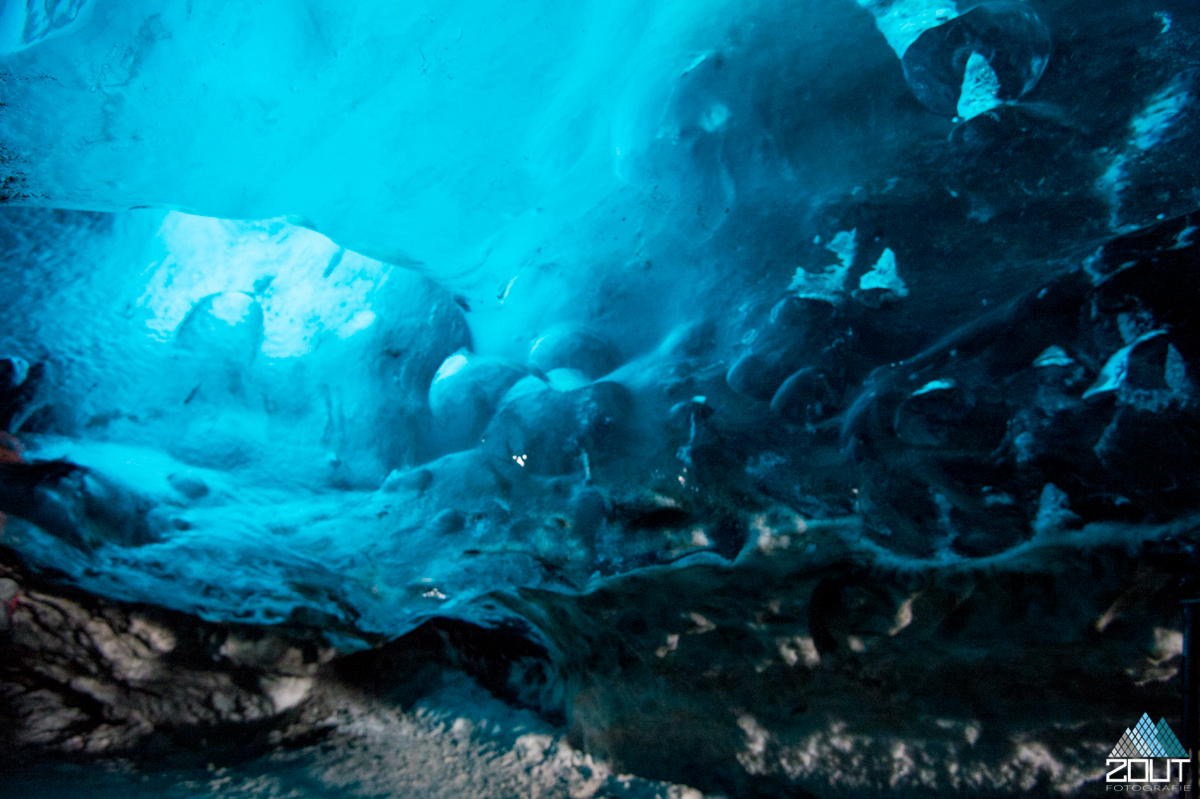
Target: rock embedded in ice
column 980, row 88
column 797, row 330
column 804, row 397
column 1053, row 355
column 993, row 53
column 464, row 394
column 574, row 347
column 589, row 510
column 20, row 383
column 189, row 485
column 556, row 432
column 78, row 506
column 1112, row 374
column 564, row 379
column 883, row 277
column 417, row 327
column 13, row 371
column 1054, row 511
column 999, row 407
column 450, row 520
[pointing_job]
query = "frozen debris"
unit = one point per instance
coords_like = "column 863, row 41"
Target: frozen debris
column 884, row 276
column 980, row 88
column 829, row 285
column 1151, row 125
column 845, row 246
column 1054, row 511
column 1156, row 122
column 991, row 54
column 1112, row 375
column 902, row 21
column 574, row 347
column 934, row 385
column 1053, row 355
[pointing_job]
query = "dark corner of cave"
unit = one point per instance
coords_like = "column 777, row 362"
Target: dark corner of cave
column 599, row 400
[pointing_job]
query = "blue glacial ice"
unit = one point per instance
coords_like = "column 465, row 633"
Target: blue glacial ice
column 729, row 358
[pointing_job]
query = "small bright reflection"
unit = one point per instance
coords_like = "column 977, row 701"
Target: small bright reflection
column 308, row 286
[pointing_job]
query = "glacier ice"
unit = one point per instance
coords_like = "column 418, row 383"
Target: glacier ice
column 995, row 51
column 708, row 392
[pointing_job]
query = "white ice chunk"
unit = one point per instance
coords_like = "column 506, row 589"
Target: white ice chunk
column 715, row 117
column 566, row 379
column 980, row 88
column 1112, row 375
column 451, row 366
column 884, row 276
column 934, row 385
column 845, row 246
column 1151, row 125
column 1053, row 355
column 830, row 284
column 902, row 21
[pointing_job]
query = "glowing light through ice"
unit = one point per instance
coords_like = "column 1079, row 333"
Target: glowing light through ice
column 307, row 285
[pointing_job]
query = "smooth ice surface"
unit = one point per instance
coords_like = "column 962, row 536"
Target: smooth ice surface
column 306, row 284
column 439, row 122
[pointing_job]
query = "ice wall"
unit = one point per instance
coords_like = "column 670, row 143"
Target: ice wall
column 439, row 122
column 632, row 215
column 625, row 325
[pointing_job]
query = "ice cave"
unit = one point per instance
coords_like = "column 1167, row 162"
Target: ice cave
column 638, row 399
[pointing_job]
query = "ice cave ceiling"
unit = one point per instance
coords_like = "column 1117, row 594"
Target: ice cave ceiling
column 768, row 399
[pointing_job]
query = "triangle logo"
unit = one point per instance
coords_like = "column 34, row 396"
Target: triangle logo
column 1145, row 738
column 1169, row 742
column 1125, row 747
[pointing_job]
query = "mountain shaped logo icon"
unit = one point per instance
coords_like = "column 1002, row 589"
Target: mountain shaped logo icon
column 1148, row 740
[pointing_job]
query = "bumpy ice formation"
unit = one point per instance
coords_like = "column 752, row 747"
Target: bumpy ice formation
column 634, row 399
